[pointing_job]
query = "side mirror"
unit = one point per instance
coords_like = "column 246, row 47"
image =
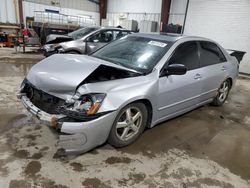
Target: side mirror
column 174, row 69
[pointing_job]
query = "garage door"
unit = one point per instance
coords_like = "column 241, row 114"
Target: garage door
column 225, row 21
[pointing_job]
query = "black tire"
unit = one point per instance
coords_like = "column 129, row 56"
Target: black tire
column 218, row 101
column 114, row 138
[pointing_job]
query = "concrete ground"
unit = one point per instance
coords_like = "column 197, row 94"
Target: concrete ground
column 208, row 147
column 31, row 53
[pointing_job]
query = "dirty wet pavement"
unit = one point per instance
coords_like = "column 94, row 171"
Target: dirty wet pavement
column 206, row 147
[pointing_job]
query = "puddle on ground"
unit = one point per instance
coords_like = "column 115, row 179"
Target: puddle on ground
column 15, row 67
column 32, row 168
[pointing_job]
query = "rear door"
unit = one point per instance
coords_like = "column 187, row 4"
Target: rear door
column 178, row 93
column 214, row 68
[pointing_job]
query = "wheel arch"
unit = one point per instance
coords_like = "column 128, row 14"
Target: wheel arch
column 231, row 81
column 148, row 105
column 72, row 50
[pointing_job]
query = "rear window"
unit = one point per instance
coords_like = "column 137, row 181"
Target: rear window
column 210, row 54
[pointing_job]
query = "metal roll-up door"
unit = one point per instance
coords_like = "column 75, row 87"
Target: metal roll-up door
column 225, row 21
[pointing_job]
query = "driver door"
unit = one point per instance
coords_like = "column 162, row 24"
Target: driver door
column 99, row 40
column 178, row 93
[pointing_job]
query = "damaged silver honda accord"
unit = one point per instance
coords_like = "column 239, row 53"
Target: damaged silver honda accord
column 135, row 82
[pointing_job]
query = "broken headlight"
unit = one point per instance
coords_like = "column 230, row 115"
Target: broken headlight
column 89, row 103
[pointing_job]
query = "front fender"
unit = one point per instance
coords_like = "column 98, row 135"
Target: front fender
column 73, row 49
column 134, row 99
column 76, row 45
column 122, row 92
column 119, row 97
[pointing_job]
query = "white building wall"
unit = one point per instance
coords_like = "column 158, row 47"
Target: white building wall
column 133, row 10
column 69, row 7
column 70, row 4
column 134, row 6
column 225, row 21
column 30, row 7
column 7, row 11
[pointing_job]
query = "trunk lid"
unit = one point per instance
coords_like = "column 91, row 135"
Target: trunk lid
column 237, row 54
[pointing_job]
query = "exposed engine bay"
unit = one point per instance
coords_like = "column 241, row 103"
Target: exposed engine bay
column 106, row 73
column 83, row 108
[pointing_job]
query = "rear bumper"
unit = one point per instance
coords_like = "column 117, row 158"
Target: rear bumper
column 76, row 137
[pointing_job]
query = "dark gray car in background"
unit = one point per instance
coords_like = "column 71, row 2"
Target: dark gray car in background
column 83, row 41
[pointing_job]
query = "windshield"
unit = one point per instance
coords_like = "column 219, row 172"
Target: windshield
column 137, row 53
column 81, row 32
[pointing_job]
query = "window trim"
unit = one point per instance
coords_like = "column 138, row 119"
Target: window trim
column 167, row 61
column 200, row 48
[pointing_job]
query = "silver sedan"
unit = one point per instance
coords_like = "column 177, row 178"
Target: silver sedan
column 135, row 82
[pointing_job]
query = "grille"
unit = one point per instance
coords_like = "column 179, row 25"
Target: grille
column 42, row 100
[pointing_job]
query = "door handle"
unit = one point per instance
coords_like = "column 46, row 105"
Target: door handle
column 223, row 68
column 197, row 76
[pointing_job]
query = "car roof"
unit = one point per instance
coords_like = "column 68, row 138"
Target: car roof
column 116, row 28
column 168, row 37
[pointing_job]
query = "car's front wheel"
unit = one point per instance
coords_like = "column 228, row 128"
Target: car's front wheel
column 128, row 125
column 222, row 93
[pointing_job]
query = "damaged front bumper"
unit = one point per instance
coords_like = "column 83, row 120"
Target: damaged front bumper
column 74, row 137
column 41, row 115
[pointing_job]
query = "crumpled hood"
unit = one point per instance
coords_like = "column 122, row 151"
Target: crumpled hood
column 60, row 74
column 54, row 38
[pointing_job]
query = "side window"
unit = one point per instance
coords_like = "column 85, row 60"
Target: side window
column 119, row 34
column 210, row 54
column 186, row 54
column 103, row 37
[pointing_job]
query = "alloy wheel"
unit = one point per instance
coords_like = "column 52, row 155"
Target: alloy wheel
column 223, row 91
column 129, row 123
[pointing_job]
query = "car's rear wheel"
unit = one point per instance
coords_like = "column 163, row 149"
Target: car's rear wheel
column 128, row 125
column 222, row 93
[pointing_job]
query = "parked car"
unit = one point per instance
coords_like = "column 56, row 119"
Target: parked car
column 79, row 33
column 135, row 82
column 83, row 41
